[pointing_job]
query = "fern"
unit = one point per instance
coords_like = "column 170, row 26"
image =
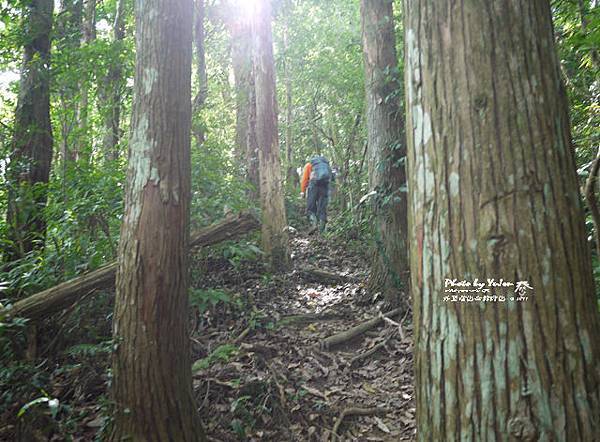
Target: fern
column 89, row 350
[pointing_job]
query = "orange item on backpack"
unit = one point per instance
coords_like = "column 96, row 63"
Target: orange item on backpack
column 305, row 177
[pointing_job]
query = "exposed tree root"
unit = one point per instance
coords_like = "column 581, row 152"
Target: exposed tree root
column 369, row 352
column 347, row 335
column 355, row 411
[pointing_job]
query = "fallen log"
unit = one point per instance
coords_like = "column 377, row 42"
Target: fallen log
column 231, row 227
column 57, row 298
column 347, row 335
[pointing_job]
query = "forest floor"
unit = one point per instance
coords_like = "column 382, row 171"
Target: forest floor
column 269, row 377
column 262, row 371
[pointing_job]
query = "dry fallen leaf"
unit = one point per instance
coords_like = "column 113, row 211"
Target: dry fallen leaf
column 369, row 389
column 383, row 427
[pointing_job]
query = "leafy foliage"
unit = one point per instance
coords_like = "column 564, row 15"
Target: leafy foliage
column 222, row 353
column 205, row 298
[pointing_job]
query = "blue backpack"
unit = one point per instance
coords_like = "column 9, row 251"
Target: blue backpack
column 321, row 171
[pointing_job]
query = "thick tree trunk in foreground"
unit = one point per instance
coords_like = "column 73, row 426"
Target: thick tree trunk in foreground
column 389, row 271
column 41, row 305
column 152, row 386
column 29, row 167
column 274, row 223
column 493, row 194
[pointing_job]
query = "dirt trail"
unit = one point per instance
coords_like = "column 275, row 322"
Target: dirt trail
column 267, row 377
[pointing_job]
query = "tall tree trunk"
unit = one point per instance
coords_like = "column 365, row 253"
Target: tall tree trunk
column 252, row 160
column 200, row 98
column 386, row 150
column 152, row 385
column 88, row 31
column 29, row 168
column 274, row 223
column 591, row 195
column 292, row 178
column 344, row 197
column 69, row 40
column 493, row 194
column 246, row 148
column 111, row 91
column 314, row 120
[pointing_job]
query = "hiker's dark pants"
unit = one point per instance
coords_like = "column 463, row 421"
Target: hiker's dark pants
column 317, row 197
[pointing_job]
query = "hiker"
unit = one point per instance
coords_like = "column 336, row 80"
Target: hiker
column 315, row 184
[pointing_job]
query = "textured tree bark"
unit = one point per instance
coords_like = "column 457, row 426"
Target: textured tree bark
column 112, row 90
column 274, row 223
column 29, row 167
column 386, row 150
column 152, row 387
column 246, row 147
column 252, row 160
column 40, row 305
column 493, row 194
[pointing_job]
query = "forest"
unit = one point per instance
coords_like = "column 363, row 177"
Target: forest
column 299, row 220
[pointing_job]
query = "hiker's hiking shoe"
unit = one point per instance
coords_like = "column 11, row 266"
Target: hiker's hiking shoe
column 322, row 227
column 314, row 225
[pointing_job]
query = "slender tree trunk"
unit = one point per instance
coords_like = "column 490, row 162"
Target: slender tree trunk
column 69, row 39
column 152, row 385
column 246, row 148
column 29, row 167
column 88, row 31
column 292, row 178
column 252, row 161
column 241, row 57
column 113, row 89
column 314, row 130
column 386, row 150
column 200, row 98
column 590, row 192
column 274, row 223
column 493, row 194
column 343, row 181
